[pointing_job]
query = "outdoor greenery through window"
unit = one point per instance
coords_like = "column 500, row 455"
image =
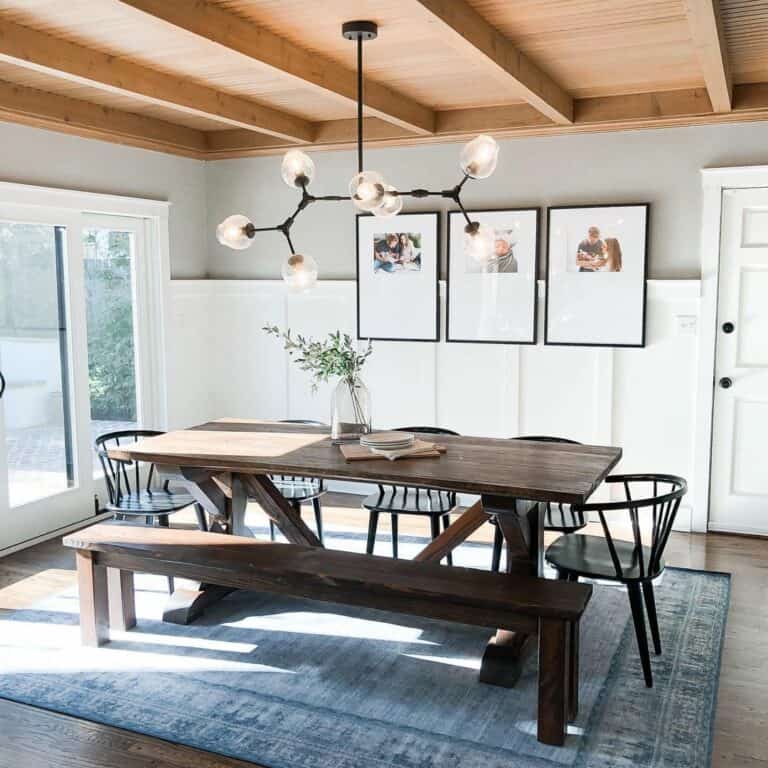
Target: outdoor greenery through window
column 109, row 286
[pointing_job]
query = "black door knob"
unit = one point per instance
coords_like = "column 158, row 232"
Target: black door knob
column 726, row 382
column 728, row 327
column 2, row 383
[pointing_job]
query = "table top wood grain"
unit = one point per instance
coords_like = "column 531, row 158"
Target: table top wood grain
column 512, row 468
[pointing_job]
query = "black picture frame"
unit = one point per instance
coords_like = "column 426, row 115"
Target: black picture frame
column 547, row 292
column 438, row 243
column 537, row 255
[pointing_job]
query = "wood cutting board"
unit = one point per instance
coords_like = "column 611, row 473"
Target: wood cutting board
column 421, row 450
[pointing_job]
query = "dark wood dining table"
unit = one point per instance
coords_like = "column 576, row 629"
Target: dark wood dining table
column 226, row 462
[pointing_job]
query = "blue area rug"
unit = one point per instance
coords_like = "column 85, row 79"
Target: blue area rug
column 295, row 684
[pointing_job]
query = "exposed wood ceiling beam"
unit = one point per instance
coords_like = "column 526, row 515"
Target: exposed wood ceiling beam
column 707, row 34
column 470, row 33
column 663, row 109
column 29, row 106
column 232, row 32
column 32, row 49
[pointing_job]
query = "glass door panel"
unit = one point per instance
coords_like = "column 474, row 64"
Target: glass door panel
column 37, row 437
column 109, row 259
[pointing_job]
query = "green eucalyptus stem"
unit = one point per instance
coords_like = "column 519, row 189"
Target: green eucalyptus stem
column 356, row 405
column 336, row 356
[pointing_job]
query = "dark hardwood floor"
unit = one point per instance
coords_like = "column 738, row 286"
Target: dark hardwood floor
column 34, row 738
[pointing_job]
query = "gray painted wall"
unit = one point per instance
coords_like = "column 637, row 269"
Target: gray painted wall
column 660, row 166
column 46, row 158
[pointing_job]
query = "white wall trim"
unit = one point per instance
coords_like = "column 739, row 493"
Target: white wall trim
column 85, row 522
column 91, row 202
column 715, row 181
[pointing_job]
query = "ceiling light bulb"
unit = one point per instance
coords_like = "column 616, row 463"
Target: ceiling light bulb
column 297, row 169
column 300, row 272
column 367, row 190
column 391, row 205
column 478, row 242
column 479, row 157
column 235, row 232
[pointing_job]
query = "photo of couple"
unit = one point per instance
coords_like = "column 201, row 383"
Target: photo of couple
column 595, row 254
column 395, row 252
column 502, row 260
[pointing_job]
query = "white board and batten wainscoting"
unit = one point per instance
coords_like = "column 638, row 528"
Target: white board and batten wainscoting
column 220, row 363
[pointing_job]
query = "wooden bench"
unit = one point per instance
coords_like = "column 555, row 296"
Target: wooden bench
column 108, row 555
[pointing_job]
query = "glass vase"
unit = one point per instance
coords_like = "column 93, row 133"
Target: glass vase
column 350, row 411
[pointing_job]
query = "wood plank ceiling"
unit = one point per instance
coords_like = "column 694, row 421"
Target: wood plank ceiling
column 224, row 78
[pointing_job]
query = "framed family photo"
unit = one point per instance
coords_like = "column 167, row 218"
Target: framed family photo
column 397, row 274
column 494, row 301
column 597, row 259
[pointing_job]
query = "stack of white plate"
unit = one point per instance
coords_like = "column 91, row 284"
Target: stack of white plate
column 387, row 441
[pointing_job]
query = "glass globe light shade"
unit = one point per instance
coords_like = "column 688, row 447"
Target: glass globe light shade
column 367, row 190
column 299, row 272
column 391, row 205
column 297, row 169
column 479, row 242
column 479, row 157
column 233, row 232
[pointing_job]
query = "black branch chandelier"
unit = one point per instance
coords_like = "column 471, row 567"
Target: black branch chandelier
column 368, row 190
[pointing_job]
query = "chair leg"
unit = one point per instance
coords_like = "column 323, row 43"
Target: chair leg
column 373, row 523
column 636, row 603
column 562, row 575
column 164, row 522
column 446, row 525
column 202, row 522
column 498, row 543
column 650, row 607
column 434, row 526
column 271, row 530
column 318, row 518
column 394, row 536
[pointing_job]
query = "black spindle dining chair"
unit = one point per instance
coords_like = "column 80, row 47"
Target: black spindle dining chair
column 559, row 518
column 634, row 563
column 135, row 492
column 298, row 490
column 395, row 500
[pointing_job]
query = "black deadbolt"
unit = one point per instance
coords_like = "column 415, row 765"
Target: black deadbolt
column 728, row 327
column 726, row 382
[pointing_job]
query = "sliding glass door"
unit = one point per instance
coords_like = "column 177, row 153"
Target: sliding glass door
column 72, row 341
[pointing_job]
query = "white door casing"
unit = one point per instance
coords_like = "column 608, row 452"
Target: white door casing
column 739, row 468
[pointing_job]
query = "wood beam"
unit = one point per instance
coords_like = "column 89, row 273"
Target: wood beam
column 40, row 109
column 709, row 41
column 214, row 23
column 29, row 48
column 466, row 30
column 663, row 109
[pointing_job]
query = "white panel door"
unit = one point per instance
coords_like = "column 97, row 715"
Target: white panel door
column 739, row 492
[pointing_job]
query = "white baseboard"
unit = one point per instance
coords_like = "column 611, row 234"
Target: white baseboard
column 740, row 529
column 53, row 534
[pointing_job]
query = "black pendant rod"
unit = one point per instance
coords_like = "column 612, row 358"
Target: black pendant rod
column 360, row 104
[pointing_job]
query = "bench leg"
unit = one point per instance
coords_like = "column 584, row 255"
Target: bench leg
column 94, row 606
column 553, row 682
column 573, row 671
column 122, row 600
